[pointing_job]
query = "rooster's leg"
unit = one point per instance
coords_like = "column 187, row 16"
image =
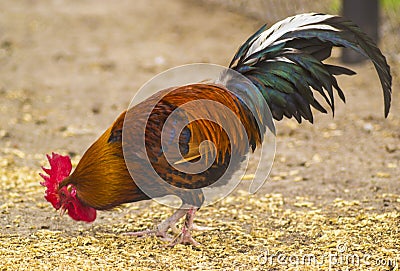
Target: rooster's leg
column 170, row 222
column 162, row 228
column 185, row 237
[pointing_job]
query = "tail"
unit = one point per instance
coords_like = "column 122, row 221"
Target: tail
column 285, row 62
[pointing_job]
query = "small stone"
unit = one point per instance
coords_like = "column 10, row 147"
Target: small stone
column 4, row 133
column 368, row 127
column 159, row 60
column 248, row 177
column 27, row 117
column 298, row 179
column 383, row 175
column 390, row 148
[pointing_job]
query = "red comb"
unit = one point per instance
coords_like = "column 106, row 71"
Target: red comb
column 60, row 168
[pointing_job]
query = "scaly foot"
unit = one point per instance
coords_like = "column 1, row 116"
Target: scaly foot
column 162, row 229
column 185, row 237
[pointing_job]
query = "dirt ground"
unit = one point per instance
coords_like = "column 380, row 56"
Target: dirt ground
column 68, row 68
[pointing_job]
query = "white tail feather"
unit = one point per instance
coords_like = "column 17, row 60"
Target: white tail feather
column 299, row 22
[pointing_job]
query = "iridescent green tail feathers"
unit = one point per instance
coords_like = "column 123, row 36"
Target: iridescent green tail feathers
column 285, row 62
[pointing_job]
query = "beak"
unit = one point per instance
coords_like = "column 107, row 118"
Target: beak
column 62, row 210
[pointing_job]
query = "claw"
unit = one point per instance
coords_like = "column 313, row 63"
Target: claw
column 142, row 234
column 163, row 235
column 183, row 236
column 163, row 227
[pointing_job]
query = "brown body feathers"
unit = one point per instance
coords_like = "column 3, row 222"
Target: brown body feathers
column 102, row 179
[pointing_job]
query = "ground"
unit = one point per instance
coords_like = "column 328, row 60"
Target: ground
column 68, row 69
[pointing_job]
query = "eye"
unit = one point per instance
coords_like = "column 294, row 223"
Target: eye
column 62, row 194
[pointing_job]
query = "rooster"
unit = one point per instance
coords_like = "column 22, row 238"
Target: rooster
column 286, row 65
